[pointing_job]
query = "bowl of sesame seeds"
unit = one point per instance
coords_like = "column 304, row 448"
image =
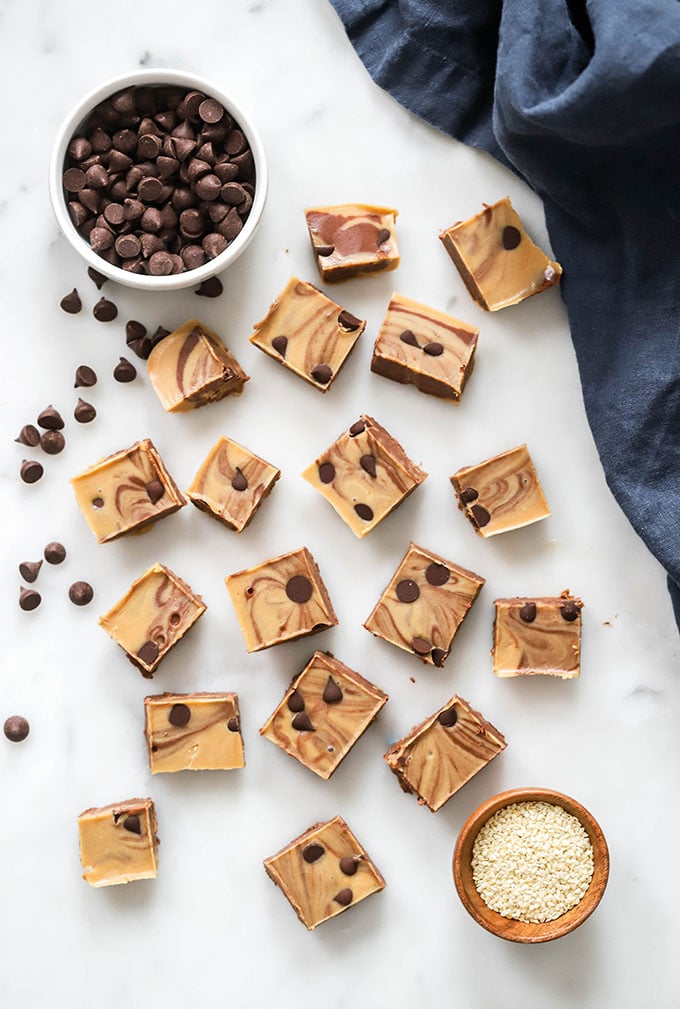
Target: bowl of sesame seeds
column 530, row 865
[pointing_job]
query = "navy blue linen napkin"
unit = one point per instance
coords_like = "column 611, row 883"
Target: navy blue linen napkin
column 582, row 99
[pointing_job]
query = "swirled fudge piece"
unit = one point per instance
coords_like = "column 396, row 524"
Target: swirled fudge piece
column 193, row 732
column 308, row 333
column 323, row 872
column 155, row 612
column 420, row 346
column 231, row 484
column 539, row 634
column 192, row 367
column 502, row 493
column 280, row 600
column 497, row 260
column 126, row 492
column 352, row 240
column 424, row 605
column 323, row 713
column 364, row 475
column 440, row 755
column 118, row 843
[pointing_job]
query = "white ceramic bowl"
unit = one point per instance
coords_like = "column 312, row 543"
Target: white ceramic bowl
column 71, row 126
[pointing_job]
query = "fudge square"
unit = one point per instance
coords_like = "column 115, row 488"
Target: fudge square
column 323, row 872
column 155, row 612
column 118, row 843
column 352, row 240
column 497, row 260
column 281, row 599
column 502, row 493
column 420, row 346
column 364, row 475
column 192, row 367
column 193, row 732
column 424, row 605
column 126, row 492
column 323, row 713
column 308, row 333
column 441, row 754
column 540, row 634
column 231, row 484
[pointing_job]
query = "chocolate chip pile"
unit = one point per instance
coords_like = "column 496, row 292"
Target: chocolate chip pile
column 160, row 180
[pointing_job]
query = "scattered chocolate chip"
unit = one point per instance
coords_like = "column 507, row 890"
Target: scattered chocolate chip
column 125, row 371
column 349, row 865
column 296, row 702
column 364, row 512
column 511, row 237
column 158, row 335
column 322, row 374
column 50, row 419
column 148, row 653
column 234, row 725
column 85, row 376
column 324, row 250
column 29, row 599
column 481, row 516
column 179, row 715
column 570, row 610
column 332, row 692
column 382, row 236
column 409, row 337
column 134, row 331
column 349, row 321
column 527, row 613
column 326, row 472
column 81, row 593
column 29, row 435
column 313, row 852
column 133, row 824
column 468, row 495
column 239, row 482
column 280, row 344
column 29, row 570
column 437, row 574
column 302, row 722
column 31, row 471
column 52, row 442
column 345, row 896
column 433, row 349
column 407, row 591
column 357, row 428
column 299, row 589
column 367, row 463
column 448, row 717
column 155, row 490
column 84, row 412
column 210, row 288
column 104, row 310
column 421, row 646
column 16, row 728
column 71, row 303
column 439, row 656
column 55, row 553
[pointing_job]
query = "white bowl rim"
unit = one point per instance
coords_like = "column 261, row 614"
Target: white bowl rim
column 155, row 76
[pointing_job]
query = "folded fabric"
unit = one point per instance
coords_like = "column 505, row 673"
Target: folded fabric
column 582, row 99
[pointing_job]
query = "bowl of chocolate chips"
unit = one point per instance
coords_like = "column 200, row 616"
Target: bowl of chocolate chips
column 158, row 179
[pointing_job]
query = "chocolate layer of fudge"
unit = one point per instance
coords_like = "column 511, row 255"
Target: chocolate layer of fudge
column 440, row 755
column 501, row 493
column 424, row 605
column 118, row 843
column 193, row 732
column 497, row 260
column 191, row 367
column 308, row 333
column 539, row 634
column 231, row 484
column 353, row 239
column 421, row 346
column 282, row 599
column 324, row 711
column 323, row 872
column 155, row 612
column 126, row 492
column 365, row 475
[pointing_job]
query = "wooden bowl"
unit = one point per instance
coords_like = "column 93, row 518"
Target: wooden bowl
column 508, row 928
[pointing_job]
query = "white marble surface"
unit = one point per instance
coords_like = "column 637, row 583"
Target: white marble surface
column 212, row 930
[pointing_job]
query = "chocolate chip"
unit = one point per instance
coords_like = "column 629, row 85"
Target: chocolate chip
column 29, row 435
column 73, row 180
column 326, row 472
column 134, row 331
column 332, row 692
column 148, row 653
column 364, row 512
column 210, row 288
column 52, row 442
column 96, row 277
column 324, row 250
column 133, row 824
column 527, row 613
column 104, row 310
column 433, row 349
column 234, row 724
column 409, row 337
column 29, row 570
column 97, row 502
column 296, row 702
column 71, row 303
column 55, row 553
column 16, row 728
column 29, row 599
column 322, row 374
column 233, row 194
column 349, row 321
column 448, row 718
column 421, row 646
column 349, row 865
column 437, row 574
column 439, row 656
column 468, row 495
column 81, row 593
column 155, row 490
column 357, row 428
column 302, row 722
column 313, row 852
column 179, row 715
column 50, row 419
column 407, row 591
column 85, row 376
column 511, row 237
column 299, row 589
column 84, row 412
column 160, row 264
column 570, row 610
column 210, row 110
column 125, row 371
column 239, row 482
column 31, row 471
column 368, row 463
column 345, row 896
column 280, row 344
column 382, row 236
column 481, row 516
